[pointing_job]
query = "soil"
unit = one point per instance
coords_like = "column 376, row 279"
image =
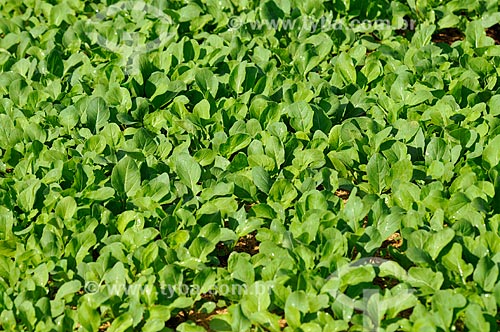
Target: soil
column 343, row 194
column 104, row 326
column 447, row 36
column 494, row 32
column 451, row 35
column 247, row 243
column 199, row 318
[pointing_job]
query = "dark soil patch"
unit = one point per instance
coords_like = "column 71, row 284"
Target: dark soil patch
column 199, row 318
column 203, row 319
column 494, row 32
column 385, row 283
column 342, row 194
column 247, row 243
column 406, row 313
column 447, row 36
column 395, row 240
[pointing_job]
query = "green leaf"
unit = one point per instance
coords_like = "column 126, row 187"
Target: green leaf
column 491, row 153
column 158, row 187
column 282, row 191
column 240, row 268
column 346, row 68
column 97, row 114
column 301, row 116
column 59, row 13
column 207, row 81
column 8, row 320
column 377, row 171
column 261, row 178
column 68, row 289
column 234, row 144
column 27, row 313
column 101, row 194
column 55, row 63
column 122, row 323
column 425, row 279
column 115, row 279
column 66, row 208
column 494, row 105
column 443, row 304
column 237, row 77
column 7, row 248
column 153, row 325
column 475, row 320
column 188, row 170
column 437, row 241
column 26, row 198
column 256, row 299
column 299, row 301
column 486, row 274
column 476, row 36
column 88, row 316
column 126, row 177
column 453, row 261
column 201, row 247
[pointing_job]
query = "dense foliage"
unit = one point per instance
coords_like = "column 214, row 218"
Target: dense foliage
column 155, row 155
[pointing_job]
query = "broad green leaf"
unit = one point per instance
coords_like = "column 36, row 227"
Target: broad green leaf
column 97, row 114
column 207, row 81
column 235, row 143
column 437, row 241
column 491, row 153
column 66, row 208
column 26, row 198
column 68, row 289
column 126, row 177
column 256, row 299
column 55, row 63
column 486, row 274
column 121, row 323
column 298, row 300
column 153, row 325
column 88, row 316
column 282, row 191
column 454, row 262
column 188, row 170
column 8, row 248
column 158, row 187
column 261, row 178
column 443, row 304
column 115, row 279
column 301, row 116
column 101, row 194
column 201, row 247
column 346, row 68
column 476, row 36
column 240, row 268
column 377, row 171
column 237, row 77
column 494, row 105
column 475, row 320
column 425, row 279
